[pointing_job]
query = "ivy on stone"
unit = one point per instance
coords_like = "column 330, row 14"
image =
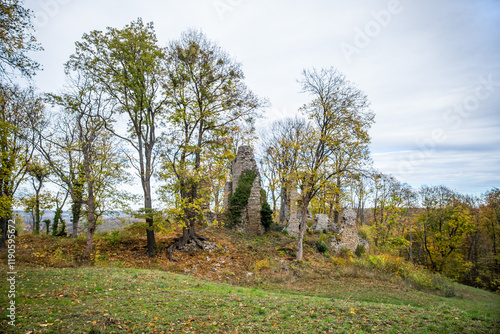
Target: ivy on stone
column 239, row 199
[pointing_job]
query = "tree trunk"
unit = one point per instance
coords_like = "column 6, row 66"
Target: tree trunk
column 3, row 237
column 37, row 214
column 75, row 228
column 302, row 229
column 150, row 234
column 91, row 205
column 91, row 223
column 273, row 198
column 188, row 231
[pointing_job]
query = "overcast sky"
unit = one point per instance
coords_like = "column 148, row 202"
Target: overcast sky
column 431, row 69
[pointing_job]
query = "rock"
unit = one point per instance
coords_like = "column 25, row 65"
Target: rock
column 322, row 222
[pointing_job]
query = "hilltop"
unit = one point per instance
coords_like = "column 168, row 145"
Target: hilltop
column 240, row 284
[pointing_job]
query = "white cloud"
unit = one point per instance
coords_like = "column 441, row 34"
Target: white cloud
column 415, row 68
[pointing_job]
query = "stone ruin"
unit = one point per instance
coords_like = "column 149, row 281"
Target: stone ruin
column 250, row 215
column 346, row 235
column 343, row 236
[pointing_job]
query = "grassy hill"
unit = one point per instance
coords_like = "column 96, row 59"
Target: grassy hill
column 243, row 285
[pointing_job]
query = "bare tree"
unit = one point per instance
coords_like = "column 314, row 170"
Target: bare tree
column 339, row 118
column 81, row 144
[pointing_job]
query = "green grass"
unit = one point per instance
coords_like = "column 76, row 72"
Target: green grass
column 119, row 300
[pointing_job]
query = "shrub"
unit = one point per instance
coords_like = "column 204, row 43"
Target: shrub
column 360, row 250
column 113, row 239
column 239, row 199
column 443, row 285
column 322, row 247
column 262, row 264
column 391, row 264
column 338, row 261
column 345, row 253
column 421, row 279
column 363, row 232
column 323, row 237
column 266, row 216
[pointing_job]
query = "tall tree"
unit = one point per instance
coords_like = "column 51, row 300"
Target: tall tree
column 208, row 101
column 21, row 114
column 82, row 152
column 447, row 220
column 282, row 151
column 340, row 117
column 127, row 65
column 16, row 40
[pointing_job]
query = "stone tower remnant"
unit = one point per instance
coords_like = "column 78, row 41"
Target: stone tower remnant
column 346, row 234
column 250, row 214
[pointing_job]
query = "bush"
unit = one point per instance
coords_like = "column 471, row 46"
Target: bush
column 391, row 264
column 262, row 264
column 421, row 280
column 322, row 247
column 113, row 239
column 345, row 253
column 338, row 261
column 363, row 232
column 266, row 216
column 360, row 250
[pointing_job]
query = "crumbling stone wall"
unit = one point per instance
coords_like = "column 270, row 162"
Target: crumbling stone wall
column 250, row 215
column 346, row 235
column 322, row 223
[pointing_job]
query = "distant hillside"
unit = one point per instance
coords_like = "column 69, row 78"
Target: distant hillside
column 118, row 220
